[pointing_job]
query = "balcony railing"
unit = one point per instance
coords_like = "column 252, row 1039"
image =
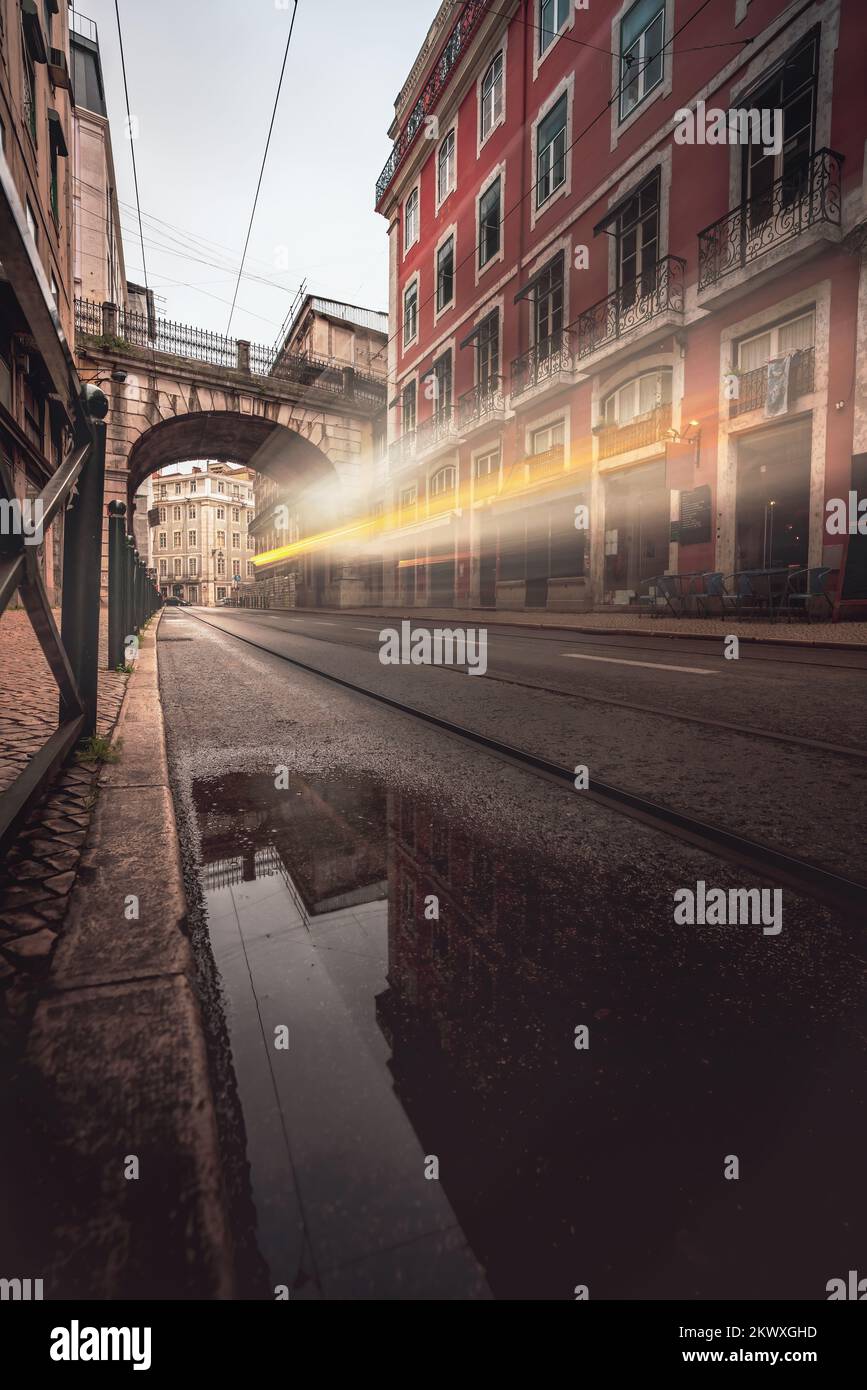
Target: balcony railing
column 806, row 195
column 656, row 291
column 645, row 429
column 484, row 402
column 456, row 45
column 543, row 363
column 487, row 485
column 545, row 465
column 753, row 386
column 402, row 450
column 439, row 429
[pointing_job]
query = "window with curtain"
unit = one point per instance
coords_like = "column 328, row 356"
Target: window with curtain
column 637, row 398
column 783, row 339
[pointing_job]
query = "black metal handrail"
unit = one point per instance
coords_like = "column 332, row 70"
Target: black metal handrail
column 543, row 362
column 656, row 291
column 438, row 427
column 483, row 400
column 72, row 653
column 808, row 193
column 753, row 385
column 455, row 46
column 117, row 326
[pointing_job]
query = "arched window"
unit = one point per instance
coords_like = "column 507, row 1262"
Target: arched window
column 443, row 481
column 638, row 398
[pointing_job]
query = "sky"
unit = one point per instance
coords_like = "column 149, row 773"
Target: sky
column 202, row 78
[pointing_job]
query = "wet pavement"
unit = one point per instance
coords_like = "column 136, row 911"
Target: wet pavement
column 406, row 935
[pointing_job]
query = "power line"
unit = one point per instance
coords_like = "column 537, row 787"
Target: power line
column 131, row 140
column 262, row 169
column 631, row 74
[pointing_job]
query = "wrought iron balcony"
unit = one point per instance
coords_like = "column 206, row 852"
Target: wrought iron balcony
column 481, row 405
column 656, row 291
column 439, row 429
column 645, row 429
column 441, row 74
column 753, row 386
column 807, row 194
column 548, row 363
column 402, row 450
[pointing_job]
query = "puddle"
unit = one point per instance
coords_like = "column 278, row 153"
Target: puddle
column 431, row 980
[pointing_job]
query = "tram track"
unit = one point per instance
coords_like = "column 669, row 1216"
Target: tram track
column 788, row 871
column 823, row 746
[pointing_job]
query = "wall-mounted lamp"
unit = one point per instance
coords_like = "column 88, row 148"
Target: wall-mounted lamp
column 117, row 375
column 691, row 435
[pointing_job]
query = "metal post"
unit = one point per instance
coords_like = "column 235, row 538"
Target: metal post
column 116, row 633
column 129, row 588
column 82, row 574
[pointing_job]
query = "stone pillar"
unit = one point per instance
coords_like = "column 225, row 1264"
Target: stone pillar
column 243, row 355
column 109, row 319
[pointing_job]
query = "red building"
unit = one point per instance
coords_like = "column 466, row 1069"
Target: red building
column 587, row 287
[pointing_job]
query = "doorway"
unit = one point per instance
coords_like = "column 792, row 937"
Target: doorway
column 637, row 530
column 773, row 497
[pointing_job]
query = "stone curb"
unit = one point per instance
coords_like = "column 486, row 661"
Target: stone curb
column 503, row 618
column 118, row 1048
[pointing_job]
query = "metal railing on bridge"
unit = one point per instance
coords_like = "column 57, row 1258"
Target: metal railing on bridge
column 115, row 327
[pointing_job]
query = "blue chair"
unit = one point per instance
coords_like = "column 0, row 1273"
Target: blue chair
column 799, row 600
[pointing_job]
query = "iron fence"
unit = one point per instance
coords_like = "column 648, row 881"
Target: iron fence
column 485, row 400
column 654, row 292
column 116, row 326
column 543, row 363
column 807, row 194
column 753, row 386
column 132, row 595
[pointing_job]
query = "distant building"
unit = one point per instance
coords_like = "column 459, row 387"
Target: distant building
column 325, row 339
column 200, row 542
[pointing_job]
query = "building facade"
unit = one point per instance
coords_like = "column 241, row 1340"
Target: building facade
column 201, row 548
column 36, row 291
column 325, row 342
column 627, row 328
column 99, row 272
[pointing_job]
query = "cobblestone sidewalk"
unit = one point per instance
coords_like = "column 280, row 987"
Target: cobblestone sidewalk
column 39, row 872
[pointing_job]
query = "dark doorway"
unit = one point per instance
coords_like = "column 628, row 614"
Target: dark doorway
column 773, row 497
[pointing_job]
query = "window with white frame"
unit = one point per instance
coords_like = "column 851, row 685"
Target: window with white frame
column 637, row 398
column 177, row 537
column 193, row 565
column 407, row 408
column 192, row 485
column 488, row 350
column 410, row 220
column 236, row 568
column 162, row 513
column 795, row 335
column 446, row 273
column 191, row 538
column 221, row 487
column 548, row 437
column 236, row 540
column 236, row 513
column 178, row 566
column 221, row 564
column 443, row 481
column 551, row 152
column 163, row 541
column 446, row 171
column 251, row 569
column 221, row 538
column 178, row 489
column 486, row 464
column 410, row 313
column 552, row 16
column 490, row 220
column 191, row 514
column 408, row 496
column 642, row 35
column 221, row 513
column 491, row 107
column 177, row 514
column 164, row 568
column 441, row 371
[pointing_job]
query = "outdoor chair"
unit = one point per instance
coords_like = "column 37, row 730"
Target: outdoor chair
column 807, row 586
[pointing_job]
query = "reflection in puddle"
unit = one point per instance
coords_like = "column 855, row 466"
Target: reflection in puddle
column 431, row 982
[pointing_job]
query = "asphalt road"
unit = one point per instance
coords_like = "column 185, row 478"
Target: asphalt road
column 317, row 829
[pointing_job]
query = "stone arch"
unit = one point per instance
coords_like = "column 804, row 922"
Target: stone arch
column 264, row 445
